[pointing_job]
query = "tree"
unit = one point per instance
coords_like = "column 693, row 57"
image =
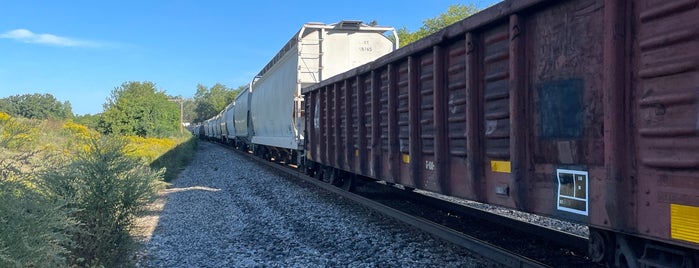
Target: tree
column 36, row 106
column 453, row 14
column 208, row 102
column 138, row 108
column 189, row 113
column 89, row 120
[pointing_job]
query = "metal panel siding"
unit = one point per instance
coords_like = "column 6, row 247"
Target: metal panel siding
column 425, row 98
column 369, row 116
column 217, row 126
column 519, row 128
column 453, row 105
column 475, row 183
column 441, row 151
column 341, row 123
column 311, row 135
column 506, row 107
column 393, row 156
column 326, row 100
column 456, row 98
column 309, row 55
column 383, row 110
column 617, row 205
column 402, row 109
column 375, row 153
column 330, row 109
column 666, row 114
column 426, row 126
column 229, row 115
column 368, row 112
column 363, row 125
column 383, row 162
column 403, row 121
column 565, row 104
column 316, row 53
column 272, row 104
column 496, row 57
column 354, row 125
column 343, row 50
column 455, row 102
column 668, row 76
column 242, row 114
column 414, row 113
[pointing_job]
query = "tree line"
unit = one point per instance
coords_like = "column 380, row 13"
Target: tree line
column 36, row 106
column 133, row 108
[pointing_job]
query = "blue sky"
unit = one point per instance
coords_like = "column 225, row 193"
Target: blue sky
column 79, row 50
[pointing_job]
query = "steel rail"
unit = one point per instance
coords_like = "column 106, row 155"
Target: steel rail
column 576, row 242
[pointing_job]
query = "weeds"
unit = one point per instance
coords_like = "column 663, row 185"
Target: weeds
column 173, row 154
column 34, row 227
column 71, row 202
column 107, row 189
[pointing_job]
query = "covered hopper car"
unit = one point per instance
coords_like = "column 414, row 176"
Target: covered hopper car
column 581, row 110
column 242, row 121
column 316, row 52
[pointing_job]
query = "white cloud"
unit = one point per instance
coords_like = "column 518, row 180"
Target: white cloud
column 27, row 36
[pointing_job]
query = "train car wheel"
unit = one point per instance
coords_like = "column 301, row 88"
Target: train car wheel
column 333, row 178
column 323, row 174
column 347, row 182
column 599, row 246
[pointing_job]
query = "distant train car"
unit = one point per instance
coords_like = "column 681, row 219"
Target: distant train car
column 216, row 125
column 586, row 111
column 316, row 52
column 207, row 128
column 195, row 130
column 228, row 124
column 199, row 131
column 241, row 114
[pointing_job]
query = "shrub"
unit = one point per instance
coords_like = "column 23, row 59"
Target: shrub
column 70, row 200
column 34, row 226
column 107, row 189
column 34, row 229
column 16, row 134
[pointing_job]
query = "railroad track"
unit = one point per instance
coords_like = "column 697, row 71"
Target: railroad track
column 478, row 246
column 572, row 241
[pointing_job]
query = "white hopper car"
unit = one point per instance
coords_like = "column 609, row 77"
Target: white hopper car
column 315, row 53
column 241, row 116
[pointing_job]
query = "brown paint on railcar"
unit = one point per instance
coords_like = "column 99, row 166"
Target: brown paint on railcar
column 665, row 111
column 606, row 88
column 496, row 131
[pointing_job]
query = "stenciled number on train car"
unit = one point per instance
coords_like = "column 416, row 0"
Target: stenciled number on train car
column 572, row 191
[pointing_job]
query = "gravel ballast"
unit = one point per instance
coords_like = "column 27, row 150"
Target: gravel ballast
column 226, row 211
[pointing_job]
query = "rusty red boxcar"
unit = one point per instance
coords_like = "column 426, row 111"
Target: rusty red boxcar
column 582, row 110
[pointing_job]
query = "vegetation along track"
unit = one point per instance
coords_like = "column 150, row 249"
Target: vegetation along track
column 506, row 241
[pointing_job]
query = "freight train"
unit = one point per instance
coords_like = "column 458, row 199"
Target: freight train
column 268, row 115
column 580, row 110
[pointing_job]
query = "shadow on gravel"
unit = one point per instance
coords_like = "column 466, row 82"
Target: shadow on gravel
column 179, row 227
column 179, row 224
